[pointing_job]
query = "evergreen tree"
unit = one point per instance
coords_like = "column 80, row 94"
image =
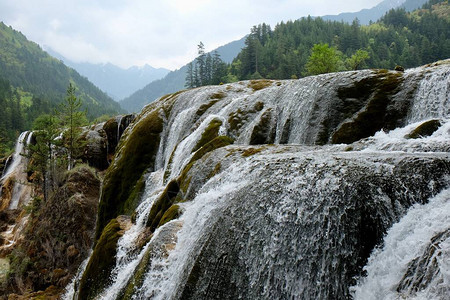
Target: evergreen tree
column 72, row 118
column 41, row 152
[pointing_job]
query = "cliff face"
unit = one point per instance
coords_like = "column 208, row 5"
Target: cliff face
column 271, row 189
column 42, row 243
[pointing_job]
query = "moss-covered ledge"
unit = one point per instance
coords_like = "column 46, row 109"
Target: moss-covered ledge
column 96, row 276
column 136, row 155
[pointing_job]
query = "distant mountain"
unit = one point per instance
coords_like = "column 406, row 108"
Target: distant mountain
column 117, row 82
column 174, row 81
column 33, row 82
column 365, row 16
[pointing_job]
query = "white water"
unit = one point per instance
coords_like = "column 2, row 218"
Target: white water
column 17, row 157
column 432, row 99
column 128, row 256
column 165, row 273
column 405, row 241
column 119, row 122
column 295, row 102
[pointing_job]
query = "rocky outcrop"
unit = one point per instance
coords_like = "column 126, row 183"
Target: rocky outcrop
column 58, row 235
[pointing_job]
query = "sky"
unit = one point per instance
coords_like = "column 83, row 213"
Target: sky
column 155, row 32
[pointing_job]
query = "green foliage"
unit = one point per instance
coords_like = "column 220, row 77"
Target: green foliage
column 207, row 69
column 72, row 119
column 400, row 38
column 357, row 60
column 33, row 83
column 46, row 131
column 324, row 59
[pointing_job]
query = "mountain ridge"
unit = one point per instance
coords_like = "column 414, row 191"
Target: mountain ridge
column 117, row 82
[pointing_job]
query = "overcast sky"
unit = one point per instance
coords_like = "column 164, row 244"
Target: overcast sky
column 155, row 32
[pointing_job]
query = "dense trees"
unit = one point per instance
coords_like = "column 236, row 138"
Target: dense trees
column 399, row 38
column 57, row 141
column 206, row 69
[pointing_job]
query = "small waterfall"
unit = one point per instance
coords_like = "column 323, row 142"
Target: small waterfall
column 17, row 156
column 119, row 122
column 166, row 272
column 128, row 256
column 404, row 243
column 20, row 190
column 432, row 98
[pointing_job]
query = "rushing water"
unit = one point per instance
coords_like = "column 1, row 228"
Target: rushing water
column 295, row 221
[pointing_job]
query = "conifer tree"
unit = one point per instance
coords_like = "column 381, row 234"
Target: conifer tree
column 72, row 118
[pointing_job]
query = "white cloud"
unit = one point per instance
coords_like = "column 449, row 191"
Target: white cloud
column 160, row 33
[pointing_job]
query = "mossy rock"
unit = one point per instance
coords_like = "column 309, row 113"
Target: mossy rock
column 251, row 151
column 162, row 204
column 260, row 84
column 373, row 117
column 203, row 108
column 172, row 213
column 176, row 188
column 210, row 133
column 136, row 155
column 425, row 129
column 98, row 269
column 263, row 132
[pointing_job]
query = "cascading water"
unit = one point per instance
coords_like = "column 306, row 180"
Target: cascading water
column 295, row 221
column 17, row 157
column 404, row 243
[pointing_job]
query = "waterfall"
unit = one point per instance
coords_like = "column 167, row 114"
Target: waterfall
column 286, row 218
column 119, row 122
column 17, row 156
column 432, row 98
column 405, row 242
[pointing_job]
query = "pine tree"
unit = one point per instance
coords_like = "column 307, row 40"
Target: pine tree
column 72, row 118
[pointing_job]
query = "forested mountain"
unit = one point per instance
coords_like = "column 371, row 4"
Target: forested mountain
column 366, row 16
column 398, row 38
column 175, row 80
column 32, row 83
column 117, row 82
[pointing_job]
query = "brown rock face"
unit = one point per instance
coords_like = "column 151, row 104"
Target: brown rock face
column 58, row 236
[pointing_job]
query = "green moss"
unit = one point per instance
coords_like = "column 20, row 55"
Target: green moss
column 136, row 156
column 172, row 213
column 219, row 95
column 218, row 142
column 136, row 192
column 216, row 170
column 260, row 84
column 424, row 129
column 162, row 204
column 96, row 276
column 138, row 277
column 259, row 106
column 210, row 133
column 203, row 108
column 251, row 151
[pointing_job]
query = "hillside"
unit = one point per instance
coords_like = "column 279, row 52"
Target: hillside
column 174, row 81
column 33, row 82
column 398, row 38
column 117, row 82
column 366, row 16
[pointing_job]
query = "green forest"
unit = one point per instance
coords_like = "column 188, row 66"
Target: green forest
column 397, row 39
column 33, row 83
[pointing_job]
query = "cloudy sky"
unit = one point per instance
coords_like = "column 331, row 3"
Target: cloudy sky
column 155, row 32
